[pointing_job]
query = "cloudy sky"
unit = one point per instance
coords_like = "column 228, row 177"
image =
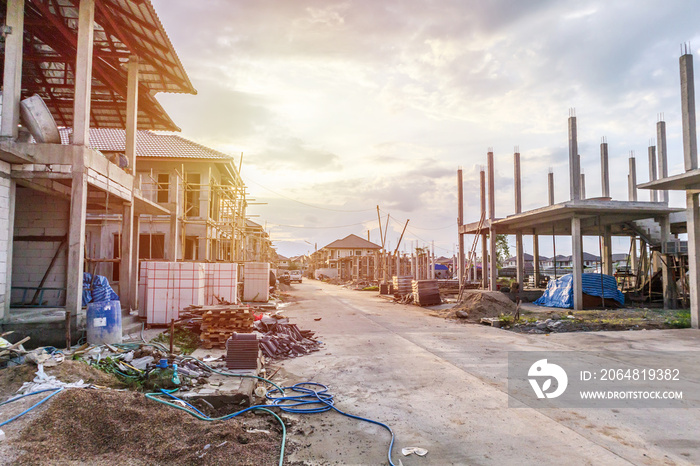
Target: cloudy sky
column 340, row 106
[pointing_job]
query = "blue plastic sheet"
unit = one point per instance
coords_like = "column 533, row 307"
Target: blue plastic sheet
column 560, row 292
column 100, row 292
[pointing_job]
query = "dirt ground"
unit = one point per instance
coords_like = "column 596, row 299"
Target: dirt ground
column 478, row 304
column 109, row 426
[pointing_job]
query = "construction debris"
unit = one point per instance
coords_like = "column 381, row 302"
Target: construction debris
column 281, row 340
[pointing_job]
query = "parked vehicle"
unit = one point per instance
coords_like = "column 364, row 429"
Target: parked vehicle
column 285, row 278
column 295, row 275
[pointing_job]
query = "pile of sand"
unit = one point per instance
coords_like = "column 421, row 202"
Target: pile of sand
column 478, row 304
column 114, row 427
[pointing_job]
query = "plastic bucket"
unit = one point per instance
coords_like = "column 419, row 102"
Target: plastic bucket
column 104, row 323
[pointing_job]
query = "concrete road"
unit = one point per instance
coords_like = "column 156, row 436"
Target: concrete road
column 441, row 385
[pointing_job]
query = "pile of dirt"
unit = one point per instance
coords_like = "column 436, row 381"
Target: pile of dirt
column 478, row 304
column 12, row 378
column 107, row 427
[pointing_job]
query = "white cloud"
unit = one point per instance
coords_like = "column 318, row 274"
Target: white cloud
column 364, row 103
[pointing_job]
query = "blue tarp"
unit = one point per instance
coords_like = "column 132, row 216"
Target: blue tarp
column 101, row 291
column 440, row 267
column 560, row 292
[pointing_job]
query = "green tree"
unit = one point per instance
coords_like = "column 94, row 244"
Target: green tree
column 502, row 250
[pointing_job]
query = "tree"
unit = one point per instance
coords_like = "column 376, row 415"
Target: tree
column 502, row 250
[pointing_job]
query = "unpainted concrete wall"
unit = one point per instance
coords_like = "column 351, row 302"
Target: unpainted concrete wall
column 39, row 214
column 4, row 232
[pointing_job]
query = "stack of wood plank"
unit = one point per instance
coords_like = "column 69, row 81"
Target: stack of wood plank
column 221, row 321
column 426, row 292
column 402, row 285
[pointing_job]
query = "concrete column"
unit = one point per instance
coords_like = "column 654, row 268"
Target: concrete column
column 632, row 181
column 491, row 186
column 484, row 247
column 132, row 105
column 576, row 256
column 574, row 161
column 607, row 250
column 536, row 257
column 583, row 186
column 690, row 141
column 83, row 73
column 174, row 236
column 12, row 74
column 518, row 184
column 76, row 236
column 460, row 222
column 493, row 272
column 661, row 151
column 493, row 263
column 653, row 194
column 519, row 258
column 126, row 255
column 550, row 187
column 604, row 171
column 669, row 287
column 634, row 261
column 693, row 220
column 134, row 272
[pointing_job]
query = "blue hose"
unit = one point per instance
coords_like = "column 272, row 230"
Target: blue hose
column 312, row 398
column 309, row 398
column 55, row 391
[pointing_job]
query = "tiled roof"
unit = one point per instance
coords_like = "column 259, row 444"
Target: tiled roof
column 352, row 242
column 148, row 144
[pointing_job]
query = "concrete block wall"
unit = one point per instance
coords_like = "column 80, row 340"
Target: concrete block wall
column 38, row 214
column 170, row 287
column 5, row 225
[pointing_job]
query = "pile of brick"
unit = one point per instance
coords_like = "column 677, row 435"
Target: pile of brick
column 221, row 321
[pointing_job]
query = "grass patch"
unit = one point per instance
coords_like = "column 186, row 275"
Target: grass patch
column 681, row 319
column 185, row 339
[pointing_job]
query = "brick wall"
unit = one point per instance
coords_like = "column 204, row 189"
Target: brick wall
column 38, row 214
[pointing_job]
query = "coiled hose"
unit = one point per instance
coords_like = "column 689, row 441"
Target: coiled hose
column 308, row 398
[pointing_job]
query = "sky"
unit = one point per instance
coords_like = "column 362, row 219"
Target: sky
column 342, row 106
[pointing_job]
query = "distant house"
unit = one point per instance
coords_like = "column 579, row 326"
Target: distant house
column 527, row 258
column 349, row 258
column 282, row 262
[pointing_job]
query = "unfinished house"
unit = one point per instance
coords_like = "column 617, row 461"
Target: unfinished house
column 350, row 258
column 74, row 64
column 200, row 189
column 258, row 247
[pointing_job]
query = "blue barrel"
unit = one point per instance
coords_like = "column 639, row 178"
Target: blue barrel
column 104, row 323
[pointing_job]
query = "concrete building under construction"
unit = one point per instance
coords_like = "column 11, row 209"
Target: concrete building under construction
column 652, row 225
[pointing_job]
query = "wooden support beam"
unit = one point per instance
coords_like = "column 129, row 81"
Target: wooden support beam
column 132, row 104
column 83, row 73
column 76, row 236
column 12, row 77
